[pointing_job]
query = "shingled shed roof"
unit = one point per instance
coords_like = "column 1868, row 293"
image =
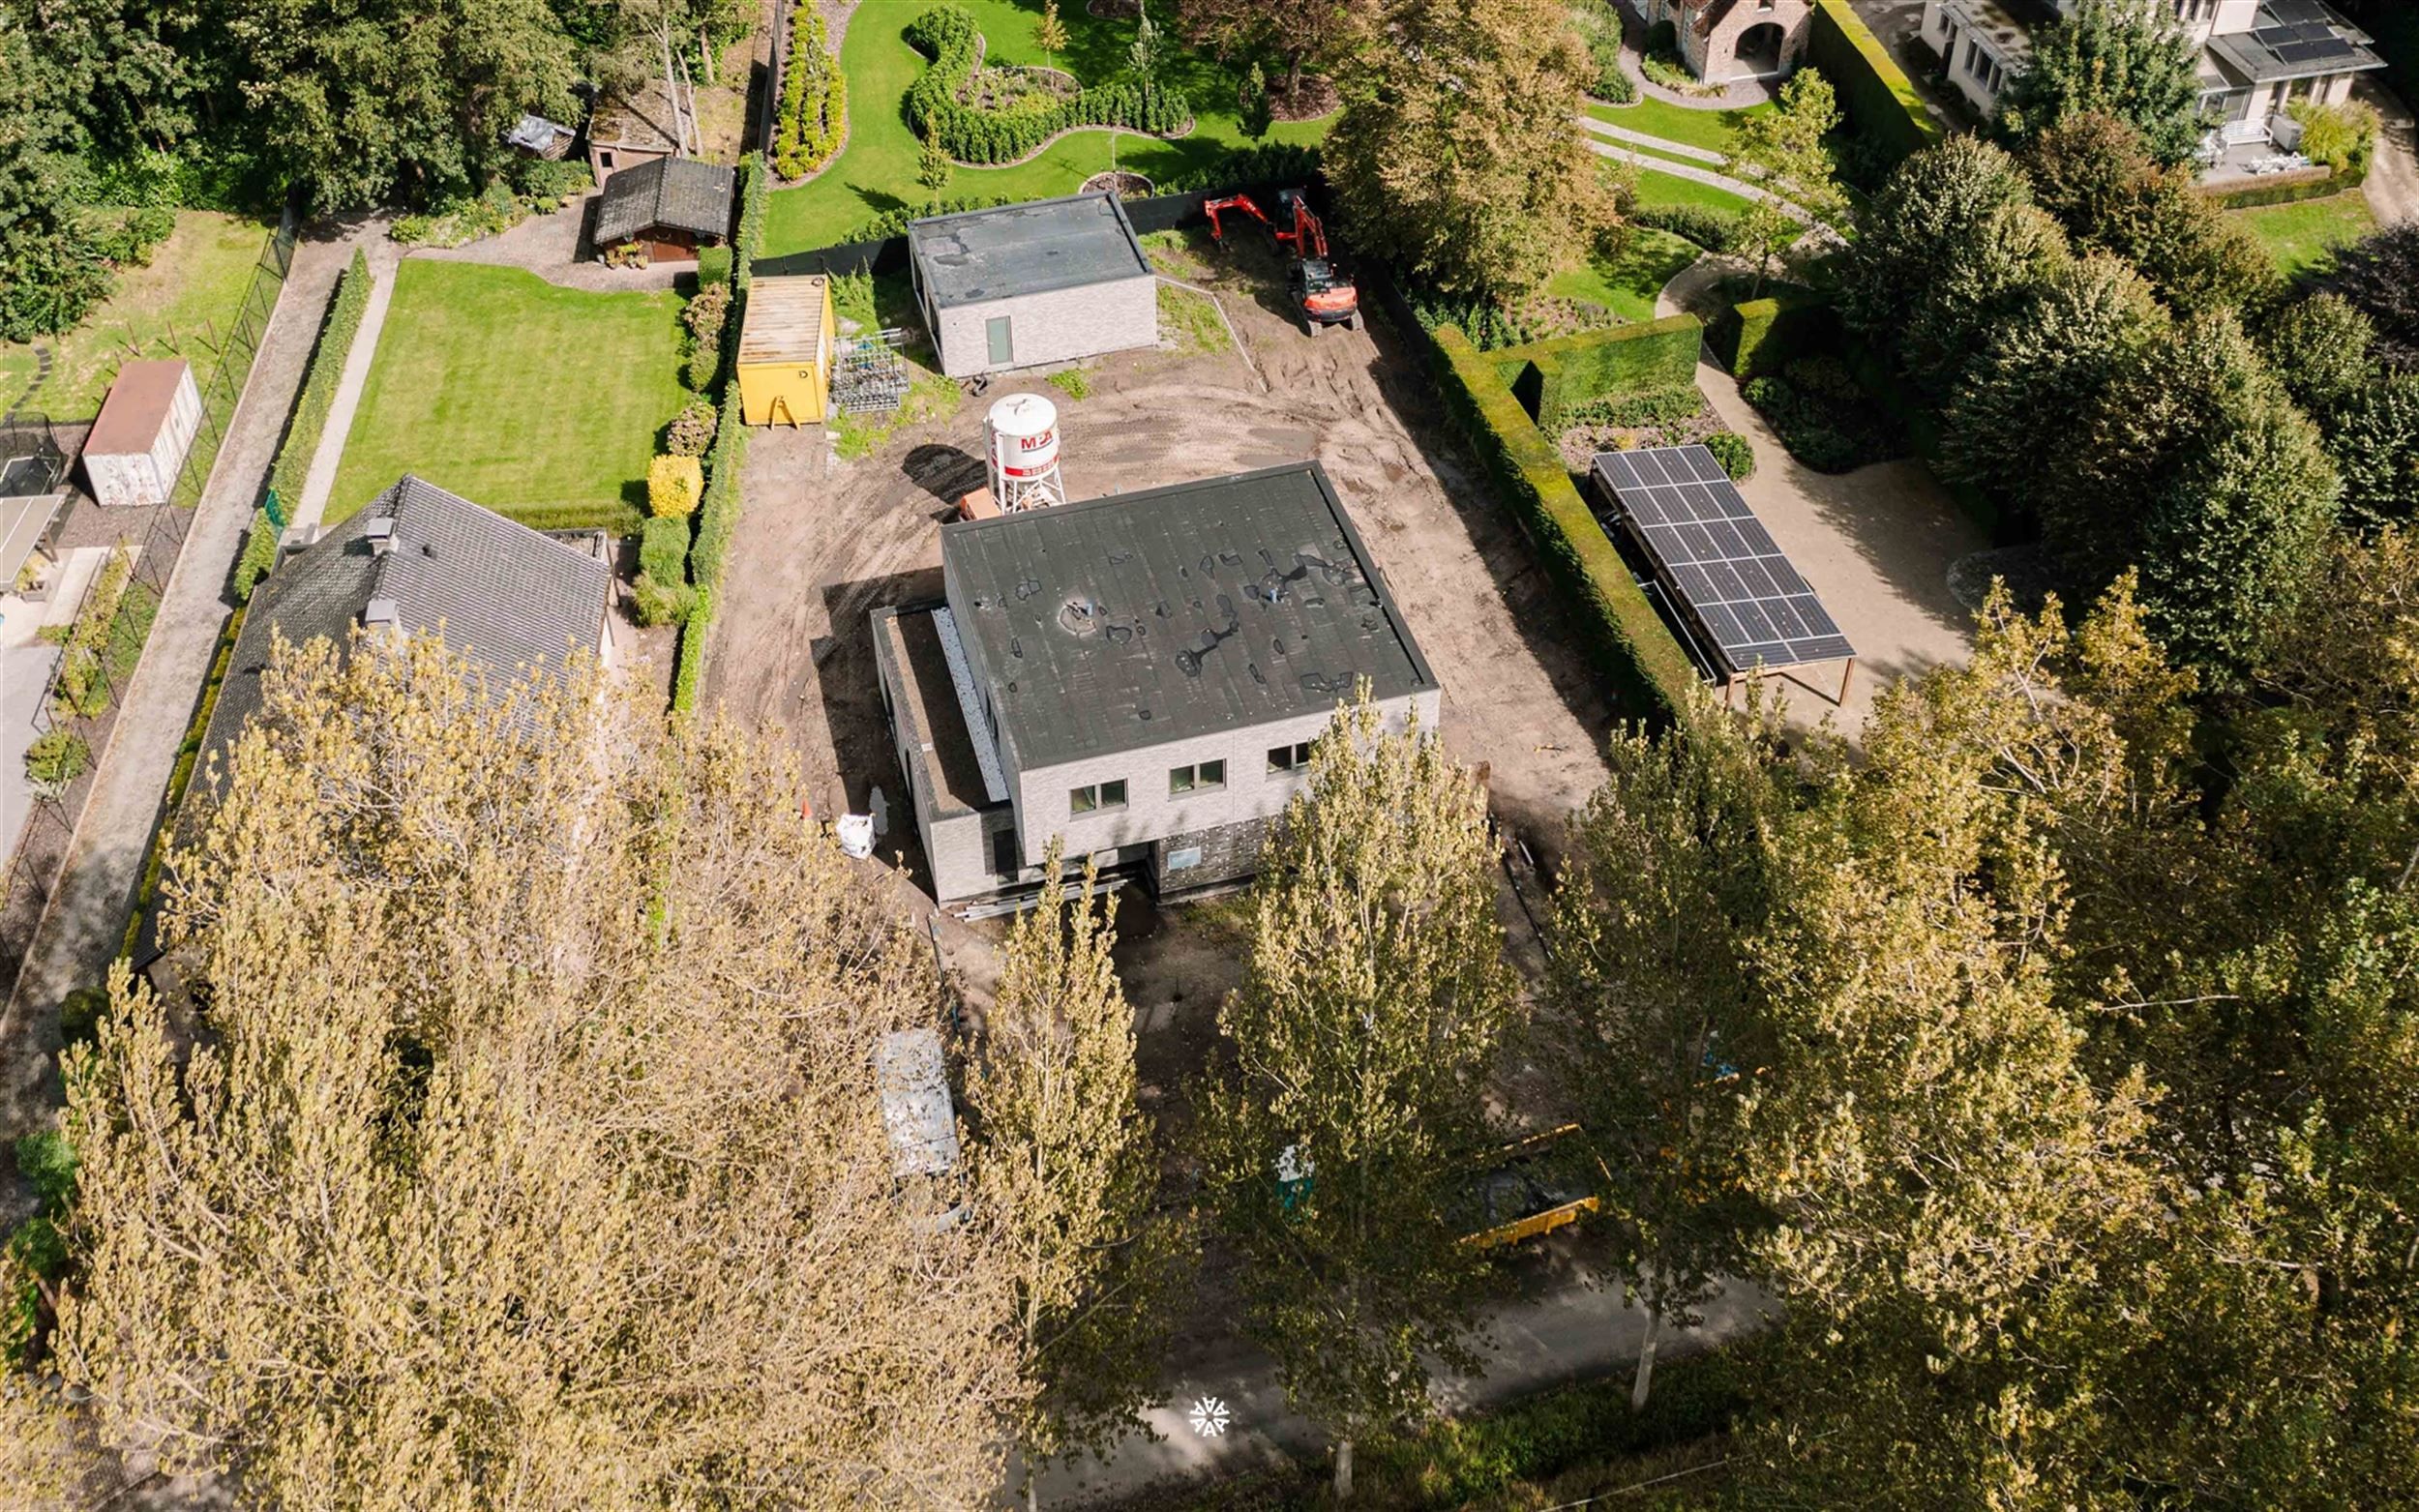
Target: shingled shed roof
column 497, row 591
column 680, row 193
column 979, row 255
column 1127, row 621
column 784, row 321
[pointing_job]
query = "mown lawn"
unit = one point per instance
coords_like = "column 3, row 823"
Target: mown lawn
column 542, row 403
column 2302, row 238
column 180, row 306
column 876, row 172
column 1627, row 285
column 1669, row 189
column 1710, row 129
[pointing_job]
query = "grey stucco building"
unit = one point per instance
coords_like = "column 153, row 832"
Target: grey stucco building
column 1017, row 286
column 1142, row 674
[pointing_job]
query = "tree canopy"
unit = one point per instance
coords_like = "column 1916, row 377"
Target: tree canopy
column 2119, row 58
column 521, row 1128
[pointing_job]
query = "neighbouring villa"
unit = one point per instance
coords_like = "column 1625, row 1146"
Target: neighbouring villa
column 1727, row 42
column 2256, row 58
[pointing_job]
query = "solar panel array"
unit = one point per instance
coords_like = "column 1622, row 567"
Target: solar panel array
column 2300, row 33
column 1718, row 560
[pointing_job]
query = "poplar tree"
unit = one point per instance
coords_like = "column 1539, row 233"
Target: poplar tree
column 1339, row 1139
column 1064, row 1162
column 519, row 1129
column 1667, row 874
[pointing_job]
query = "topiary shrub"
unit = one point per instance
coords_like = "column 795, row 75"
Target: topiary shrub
column 692, row 430
column 937, row 107
column 814, row 99
column 674, row 486
column 1715, row 231
column 1732, row 451
column 705, row 314
column 258, row 556
column 713, row 266
column 662, row 595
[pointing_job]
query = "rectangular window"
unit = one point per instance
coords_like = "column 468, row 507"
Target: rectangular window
column 1201, row 776
column 1002, row 343
column 1289, row 758
column 1093, row 797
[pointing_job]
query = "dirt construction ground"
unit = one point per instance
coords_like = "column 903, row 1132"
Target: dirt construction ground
column 822, row 543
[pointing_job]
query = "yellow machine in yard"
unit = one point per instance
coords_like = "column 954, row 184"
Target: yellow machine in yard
column 1535, row 1186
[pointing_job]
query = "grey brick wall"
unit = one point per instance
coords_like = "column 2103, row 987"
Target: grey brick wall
column 1063, row 325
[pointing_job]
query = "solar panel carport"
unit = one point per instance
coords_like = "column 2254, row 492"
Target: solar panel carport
column 1729, row 582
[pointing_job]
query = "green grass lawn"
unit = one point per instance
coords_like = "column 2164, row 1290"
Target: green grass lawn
column 542, row 403
column 180, row 306
column 876, row 173
column 1669, row 189
column 1627, row 285
column 2302, row 238
column 1711, row 129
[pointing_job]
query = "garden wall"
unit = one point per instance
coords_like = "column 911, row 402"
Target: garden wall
column 1555, row 376
column 2285, row 189
column 1875, row 95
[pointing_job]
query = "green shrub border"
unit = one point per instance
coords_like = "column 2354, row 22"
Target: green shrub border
column 1628, row 643
column 2336, row 181
column 1762, row 335
column 1557, row 375
column 326, row 371
column 180, row 778
column 1880, row 101
column 717, row 512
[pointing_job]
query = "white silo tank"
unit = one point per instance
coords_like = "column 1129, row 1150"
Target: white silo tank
column 1023, row 453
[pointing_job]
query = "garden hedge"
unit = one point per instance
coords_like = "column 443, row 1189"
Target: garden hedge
column 320, row 381
column 1875, row 95
column 1630, row 644
column 181, row 779
column 717, row 512
column 2293, row 191
column 1555, row 376
column 1761, row 335
column 936, row 108
column 814, row 98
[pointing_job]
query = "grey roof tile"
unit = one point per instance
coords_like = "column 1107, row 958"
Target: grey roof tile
column 677, row 193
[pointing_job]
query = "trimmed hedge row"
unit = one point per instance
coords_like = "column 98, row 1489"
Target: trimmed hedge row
column 717, row 512
column 318, row 391
column 1875, row 95
column 1555, row 376
column 949, row 36
column 814, row 98
column 1763, row 335
column 1630, row 645
column 180, row 778
column 2293, row 191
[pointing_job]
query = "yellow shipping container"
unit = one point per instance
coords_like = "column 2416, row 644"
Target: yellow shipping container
column 785, row 350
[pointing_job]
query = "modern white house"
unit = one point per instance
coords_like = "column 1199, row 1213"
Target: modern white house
column 2256, row 56
column 1732, row 40
column 1049, row 280
column 1139, row 676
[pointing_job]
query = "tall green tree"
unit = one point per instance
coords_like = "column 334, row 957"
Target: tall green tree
column 2119, row 58
column 1304, row 34
column 2374, row 438
column 52, row 272
column 2041, row 371
column 2380, row 275
column 1064, row 1162
column 1454, row 154
column 1669, row 868
column 2196, row 467
column 361, row 102
column 2092, row 171
column 1339, row 1136
column 1784, row 148
column 1950, row 247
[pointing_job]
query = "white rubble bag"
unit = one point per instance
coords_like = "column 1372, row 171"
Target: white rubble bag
column 856, row 835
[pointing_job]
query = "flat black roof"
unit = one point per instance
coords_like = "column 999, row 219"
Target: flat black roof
column 1132, row 620
column 2294, row 39
column 979, row 256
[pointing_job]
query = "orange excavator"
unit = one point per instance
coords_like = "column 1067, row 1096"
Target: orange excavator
column 1324, row 293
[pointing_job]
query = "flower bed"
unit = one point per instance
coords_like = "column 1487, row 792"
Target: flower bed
column 814, row 99
column 938, row 104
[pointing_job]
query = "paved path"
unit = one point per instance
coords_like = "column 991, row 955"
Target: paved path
column 2392, row 182
column 82, row 930
column 1622, row 152
column 320, row 480
column 1571, row 1328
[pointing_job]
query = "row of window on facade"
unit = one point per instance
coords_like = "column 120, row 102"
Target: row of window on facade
column 1197, row 776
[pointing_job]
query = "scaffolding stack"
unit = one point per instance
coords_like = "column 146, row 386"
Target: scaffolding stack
column 871, row 373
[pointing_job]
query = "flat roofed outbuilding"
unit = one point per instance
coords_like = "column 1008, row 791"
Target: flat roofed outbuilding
column 786, row 339
column 1021, row 286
